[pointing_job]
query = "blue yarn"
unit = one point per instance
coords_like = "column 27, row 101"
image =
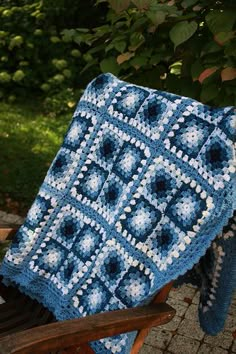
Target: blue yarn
column 217, row 270
column 215, row 275
column 140, row 188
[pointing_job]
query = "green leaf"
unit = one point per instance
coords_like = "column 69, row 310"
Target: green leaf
column 109, row 47
column 119, row 5
column 96, row 49
column 120, row 46
column 187, row 3
column 196, row 69
column 230, row 50
column 100, row 1
column 68, row 34
column 142, row 4
column 209, row 92
column 223, row 37
column 218, row 21
column 155, row 59
column 87, row 38
column 147, row 52
column 157, row 18
column 90, row 64
column 210, row 47
column 182, row 31
column 230, row 89
column 189, row 89
column 110, row 65
column 82, row 30
column 156, row 6
column 136, row 39
column 176, row 67
column 139, row 61
column 139, row 23
column 101, row 30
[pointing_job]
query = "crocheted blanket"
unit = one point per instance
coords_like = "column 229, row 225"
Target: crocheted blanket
column 141, row 186
column 215, row 275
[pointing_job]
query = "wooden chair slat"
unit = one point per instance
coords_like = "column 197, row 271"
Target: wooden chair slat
column 46, row 318
column 14, row 305
column 11, row 311
column 7, row 313
column 79, row 331
column 20, row 318
column 8, row 231
column 8, row 292
column 13, row 322
column 16, row 311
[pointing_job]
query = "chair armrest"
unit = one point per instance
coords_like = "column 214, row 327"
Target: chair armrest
column 7, row 231
column 64, row 334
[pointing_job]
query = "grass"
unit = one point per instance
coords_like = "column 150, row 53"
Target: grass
column 28, row 142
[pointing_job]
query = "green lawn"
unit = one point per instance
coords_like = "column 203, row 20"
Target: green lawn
column 28, row 143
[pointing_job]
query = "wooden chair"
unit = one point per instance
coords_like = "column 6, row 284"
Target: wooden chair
column 20, row 318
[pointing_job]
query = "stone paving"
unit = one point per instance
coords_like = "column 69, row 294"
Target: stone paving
column 183, row 334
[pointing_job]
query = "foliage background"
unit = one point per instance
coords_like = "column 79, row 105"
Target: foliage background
column 48, row 54
column 183, row 46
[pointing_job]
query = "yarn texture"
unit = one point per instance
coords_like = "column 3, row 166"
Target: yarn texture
column 215, row 275
column 140, row 188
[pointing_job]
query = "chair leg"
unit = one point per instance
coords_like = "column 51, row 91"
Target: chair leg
column 142, row 334
column 139, row 340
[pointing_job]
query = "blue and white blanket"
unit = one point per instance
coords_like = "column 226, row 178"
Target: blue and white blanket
column 142, row 184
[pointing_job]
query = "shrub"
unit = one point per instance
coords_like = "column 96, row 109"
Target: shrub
column 183, row 46
column 35, row 58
